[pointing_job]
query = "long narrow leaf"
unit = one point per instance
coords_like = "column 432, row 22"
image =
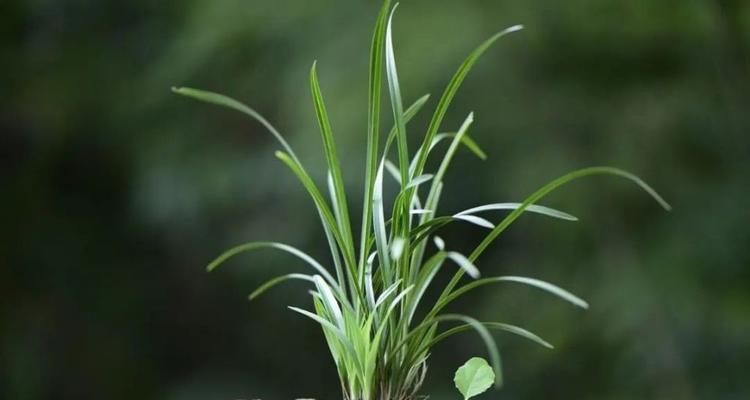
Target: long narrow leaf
column 433, row 196
column 466, row 140
column 464, row 263
column 409, row 113
column 452, row 88
column 479, row 221
column 373, row 123
column 550, row 212
column 492, row 325
column 545, row 190
column 384, row 296
column 274, row 245
column 226, row 101
column 426, row 274
column 275, row 281
column 378, row 221
column 329, row 301
column 332, row 157
column 327, row 325
column 396, row 102
column 545, row 286
column 326, row 215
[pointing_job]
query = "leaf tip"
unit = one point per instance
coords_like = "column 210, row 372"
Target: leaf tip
column 667, row 207
column 439, row 243
column 397, row 248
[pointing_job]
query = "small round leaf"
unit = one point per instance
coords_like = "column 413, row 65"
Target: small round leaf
column 474, row 377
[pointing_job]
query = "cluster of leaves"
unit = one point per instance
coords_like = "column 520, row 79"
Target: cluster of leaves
column 367, row 303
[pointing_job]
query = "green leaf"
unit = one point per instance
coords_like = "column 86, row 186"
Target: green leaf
column 426, row 274
column 329, row 327
column 479, row 221
column 437, row 180
column 464, row 263
column 327, row 216
column 489, row 342
column 493, row 325
column 474, row 377
column 396, row 102
column 383, row 296
column 393, row 171
column 274, row 245
column 409, row 113
column 546, row 189
column 465, row 140
column 445, row 299
column 373, row 123
column 275, row 281
column 329, row 301
column 433, row 195
column 334, row 166
column 397, row 248
column 378, row 223
column 226, row 101
column 550, row 212
column 419, row 180
column 452, row 88
column 541, row 193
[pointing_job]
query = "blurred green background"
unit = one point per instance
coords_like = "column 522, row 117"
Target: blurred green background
column 116, row 193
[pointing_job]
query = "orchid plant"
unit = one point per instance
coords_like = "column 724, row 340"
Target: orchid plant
column 370, row 297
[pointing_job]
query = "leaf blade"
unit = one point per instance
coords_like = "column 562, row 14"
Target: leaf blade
column 397, row 106
column 373, row 124
column 533, row 208
column 452, row 88
column 334, row 165
column 474, row 377
column 486, row 338
column 226, row 101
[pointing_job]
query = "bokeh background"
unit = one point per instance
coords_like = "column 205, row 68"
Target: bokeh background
column 115, row 193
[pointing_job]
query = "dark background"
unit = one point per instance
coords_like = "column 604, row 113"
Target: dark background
column 114, row 193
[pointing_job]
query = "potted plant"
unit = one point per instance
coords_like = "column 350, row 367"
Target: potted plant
column 369, row 298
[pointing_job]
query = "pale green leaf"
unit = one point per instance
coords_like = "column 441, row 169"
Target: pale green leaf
column 275, row 281
column 474, row 377
column 550, row 212
column 464, row 263
column 479, row 221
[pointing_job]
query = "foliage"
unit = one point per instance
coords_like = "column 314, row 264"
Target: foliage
column 371, row 304
column 474, row 377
